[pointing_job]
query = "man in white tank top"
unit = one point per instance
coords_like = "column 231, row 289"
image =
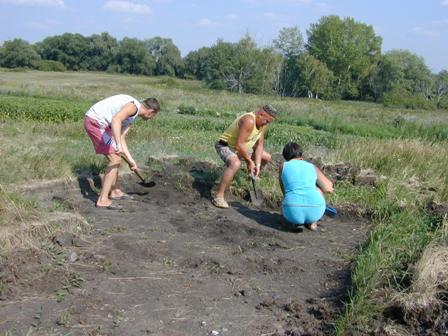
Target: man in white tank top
column 107, row 123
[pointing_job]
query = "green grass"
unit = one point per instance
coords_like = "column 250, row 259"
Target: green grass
column 382, row 266
column 42, row 138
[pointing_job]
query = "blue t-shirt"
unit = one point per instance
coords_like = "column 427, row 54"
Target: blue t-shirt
column 299, row 179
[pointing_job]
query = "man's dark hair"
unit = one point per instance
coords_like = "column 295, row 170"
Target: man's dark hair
column 292, row 150
column 151, row 103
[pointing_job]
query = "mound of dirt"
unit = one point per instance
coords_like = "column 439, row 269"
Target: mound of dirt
column 172, row 264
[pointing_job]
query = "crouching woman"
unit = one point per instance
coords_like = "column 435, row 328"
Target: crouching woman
column 303, row 186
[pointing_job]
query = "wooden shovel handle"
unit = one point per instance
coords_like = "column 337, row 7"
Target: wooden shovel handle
column 136, row 171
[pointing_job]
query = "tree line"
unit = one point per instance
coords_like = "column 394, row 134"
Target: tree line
column 341, row 59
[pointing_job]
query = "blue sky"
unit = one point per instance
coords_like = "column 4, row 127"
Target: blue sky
column 420, row 26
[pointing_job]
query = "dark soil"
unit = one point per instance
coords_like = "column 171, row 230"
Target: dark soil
column 172, row 264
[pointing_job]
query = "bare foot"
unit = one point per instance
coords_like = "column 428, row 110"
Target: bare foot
column 103, row 203
column 117, row 193
column 312, row 227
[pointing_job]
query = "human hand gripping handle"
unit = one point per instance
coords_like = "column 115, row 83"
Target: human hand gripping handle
column 133, row 166
column 257, row 169
column 119, row 150
column 252, row 169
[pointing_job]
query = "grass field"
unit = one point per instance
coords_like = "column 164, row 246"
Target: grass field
column 41, row 138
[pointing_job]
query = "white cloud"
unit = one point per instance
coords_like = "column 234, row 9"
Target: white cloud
column 232, row 17
column 42, row 25
column 441, row 23
column 207, row 23
column 425, row 32
column 270, row 16
column 59, row 3
column 444, row 2
column 127, row 7
column 322, row 6
column 284, row 1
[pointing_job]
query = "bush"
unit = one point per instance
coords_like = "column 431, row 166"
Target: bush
column 186, row 109
column 114, row 68
column 443, row 103
column 49, row 65
column 402, row 98
column 167, row 82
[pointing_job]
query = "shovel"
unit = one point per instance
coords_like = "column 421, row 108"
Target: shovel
column 144, row 183
column 330, row 211
column 256, row 195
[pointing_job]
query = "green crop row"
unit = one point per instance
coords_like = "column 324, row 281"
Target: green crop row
column 41, row 109
column 59, row 110
column 384, row 129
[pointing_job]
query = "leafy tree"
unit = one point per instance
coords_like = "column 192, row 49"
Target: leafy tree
column 265, row 67
column 166, row 56
column 240, row 67
column 441, row 89
column 102, row 51
column 217, row 63
column 72, row 50
column 310, row 77
column 348, row 48
column 196, row 63
column 17, row 53
column 402, row 70
column 289, row 42
column 403, row 79
column 133, row 58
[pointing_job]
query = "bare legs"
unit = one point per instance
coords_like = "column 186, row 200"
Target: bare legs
column 233, row 165
column 110, row 180
column 313, row 226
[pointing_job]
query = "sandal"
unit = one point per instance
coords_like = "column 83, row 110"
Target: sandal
column 220, row 202
column 122, row 197
column 110, row 207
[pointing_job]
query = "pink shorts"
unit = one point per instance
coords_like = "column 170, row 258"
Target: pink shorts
column 101, row 137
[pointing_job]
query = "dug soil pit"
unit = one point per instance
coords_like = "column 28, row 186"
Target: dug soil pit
column 170, row 263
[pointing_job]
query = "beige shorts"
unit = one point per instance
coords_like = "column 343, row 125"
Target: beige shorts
column 225, row 152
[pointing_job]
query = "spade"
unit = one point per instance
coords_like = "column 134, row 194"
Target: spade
column 144, row 183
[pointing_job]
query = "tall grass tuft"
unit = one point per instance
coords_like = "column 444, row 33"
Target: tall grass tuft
column 23, row 224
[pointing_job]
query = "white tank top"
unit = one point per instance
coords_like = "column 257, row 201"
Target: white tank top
column 105, row 109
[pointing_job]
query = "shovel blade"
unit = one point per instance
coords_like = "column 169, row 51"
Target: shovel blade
column 147, row 184
column 143, row 182
column 330, row 211
column 256, row 197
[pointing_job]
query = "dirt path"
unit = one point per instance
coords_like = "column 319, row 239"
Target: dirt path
column 172, row 264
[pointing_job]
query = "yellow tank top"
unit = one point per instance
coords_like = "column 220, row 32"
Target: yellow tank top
column 230, row 135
